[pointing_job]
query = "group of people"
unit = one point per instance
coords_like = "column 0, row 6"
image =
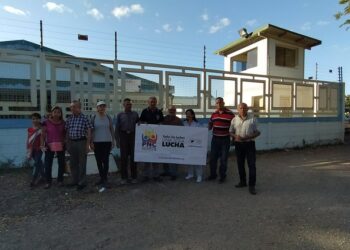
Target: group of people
column 80, row 134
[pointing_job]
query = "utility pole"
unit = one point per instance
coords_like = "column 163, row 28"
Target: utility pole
column 316, row 71
column 115, row 45
column 340, row 74
column 41, row 36
column 204, row 91
column 204, row 57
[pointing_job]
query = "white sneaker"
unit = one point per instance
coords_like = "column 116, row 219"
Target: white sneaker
column 188, row 177
column 199, row 179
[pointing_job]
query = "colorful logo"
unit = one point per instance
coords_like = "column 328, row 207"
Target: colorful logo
column 149, row 139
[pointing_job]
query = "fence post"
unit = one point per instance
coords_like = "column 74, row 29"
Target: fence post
column 116, row 104
column 43, row 96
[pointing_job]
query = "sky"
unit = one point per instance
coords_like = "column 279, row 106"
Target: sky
column 175, row 31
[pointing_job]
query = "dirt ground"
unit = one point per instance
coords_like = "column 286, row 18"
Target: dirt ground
column 303, row 202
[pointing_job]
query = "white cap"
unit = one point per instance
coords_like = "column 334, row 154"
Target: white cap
column 100, row 103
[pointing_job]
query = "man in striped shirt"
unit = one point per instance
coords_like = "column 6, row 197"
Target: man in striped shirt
column 220, row 122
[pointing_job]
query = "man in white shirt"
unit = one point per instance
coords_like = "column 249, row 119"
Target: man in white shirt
column 244, row 130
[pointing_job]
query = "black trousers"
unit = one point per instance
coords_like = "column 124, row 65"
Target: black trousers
column 127, row 148
column 102, row 150
column 49, row 155
column 246, row 150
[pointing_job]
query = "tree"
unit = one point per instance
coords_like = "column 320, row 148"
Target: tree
column 344, row 12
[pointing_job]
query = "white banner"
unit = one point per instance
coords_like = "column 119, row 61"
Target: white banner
column 171, row 144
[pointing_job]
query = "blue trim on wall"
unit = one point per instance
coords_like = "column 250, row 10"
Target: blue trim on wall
column 26, row 123
column 15, row 123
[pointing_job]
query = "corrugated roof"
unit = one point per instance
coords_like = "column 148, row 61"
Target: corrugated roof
column 270, row 31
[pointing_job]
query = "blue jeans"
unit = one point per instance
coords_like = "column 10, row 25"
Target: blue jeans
column 38, row 168
column 220, row 146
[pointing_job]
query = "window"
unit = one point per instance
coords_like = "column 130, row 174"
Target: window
column 282, row 95
column 63, row 97
column 245, row 60
column 14, row 95
column 86, row 105
column 304, row 96
column 286, row 57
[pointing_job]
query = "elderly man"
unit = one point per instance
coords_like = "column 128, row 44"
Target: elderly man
column 125, row 138
column 78, row 132
column 244, row 130
column 220, row 144
column 151, row 115
column 171, row 119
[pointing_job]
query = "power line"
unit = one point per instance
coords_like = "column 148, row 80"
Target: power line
column 187, row 45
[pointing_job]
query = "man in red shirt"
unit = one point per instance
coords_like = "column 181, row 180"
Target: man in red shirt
column 220, row 122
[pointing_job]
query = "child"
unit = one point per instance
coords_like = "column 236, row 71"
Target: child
column 33, row 148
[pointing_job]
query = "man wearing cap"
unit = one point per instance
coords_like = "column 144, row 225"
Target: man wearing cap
column 125, row 138
column 102, row 141
column 78, row 132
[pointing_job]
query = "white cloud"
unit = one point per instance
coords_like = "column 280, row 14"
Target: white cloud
column 179, row 28
column 136, row 8
column 166, row 27
column 157, row 31
column 251, row 22
column 15, row 11
column 95, row 13
column 322, row 23
column 60, row 8
column 125, row 11
column 205, row 17
column 306, row 26
column 223, row 22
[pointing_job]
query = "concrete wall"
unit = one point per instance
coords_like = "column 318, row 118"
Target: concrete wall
column 261, row 67
column 266, row 64
column 295, row 72
column 274, row 135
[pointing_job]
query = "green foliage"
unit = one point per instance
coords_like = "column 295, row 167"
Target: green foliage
column 346, row 11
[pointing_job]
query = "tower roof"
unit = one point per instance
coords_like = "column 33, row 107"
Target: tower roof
column 270, row 31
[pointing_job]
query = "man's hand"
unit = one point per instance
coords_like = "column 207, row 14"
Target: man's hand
column 238, row 138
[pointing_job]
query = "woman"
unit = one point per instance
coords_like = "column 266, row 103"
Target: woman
column 52, row 142
column 102, row 141
column 191, row 121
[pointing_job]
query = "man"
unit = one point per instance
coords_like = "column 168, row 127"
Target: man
column 220, row 122
column 171, row 119
column 125, row 138
column 244, row 130
column 78, row 132
column 151, row 115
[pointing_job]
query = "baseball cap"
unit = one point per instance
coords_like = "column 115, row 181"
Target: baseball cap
column 100, row 103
